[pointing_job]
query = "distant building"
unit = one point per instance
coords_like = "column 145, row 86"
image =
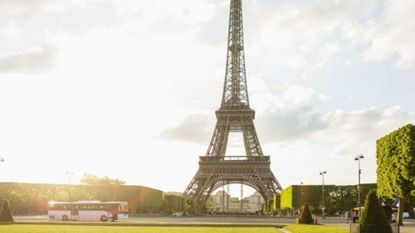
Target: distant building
column 220, row 201
column 223, row 202
column 255, row 202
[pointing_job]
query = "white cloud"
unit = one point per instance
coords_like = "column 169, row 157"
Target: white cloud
column 195, row 128
column 390, row 37
column 283, row 113
column 31, row 61
column 302, row 35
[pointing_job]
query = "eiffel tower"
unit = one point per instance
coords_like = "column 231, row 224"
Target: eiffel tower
column 216, row 169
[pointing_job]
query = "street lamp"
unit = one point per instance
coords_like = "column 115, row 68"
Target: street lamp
column 358, row 158
column 70, row 174
column 322, row 175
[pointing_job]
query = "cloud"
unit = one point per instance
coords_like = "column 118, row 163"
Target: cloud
column 16, row 10
column 72, row 15
column 31, row 61
column 290, row 113
column 284, row 113
column 303, row 36
column 390, row 37
column 196, row 128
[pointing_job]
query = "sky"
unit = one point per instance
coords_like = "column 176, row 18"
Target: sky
column 128, row 89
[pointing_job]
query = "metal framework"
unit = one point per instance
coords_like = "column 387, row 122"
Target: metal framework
column 235, row 115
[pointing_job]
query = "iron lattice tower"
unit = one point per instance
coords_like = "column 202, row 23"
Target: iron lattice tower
column 234, row 115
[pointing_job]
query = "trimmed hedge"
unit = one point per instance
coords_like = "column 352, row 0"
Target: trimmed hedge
column 26, row 198
column 336, row 197
column 373, row 219
column 305, row 217
column 5, row 215
column 395, row 155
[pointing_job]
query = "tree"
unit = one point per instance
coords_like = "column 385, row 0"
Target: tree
column 395, row 155
column 5, row 215
column 88, row 179
column 305, row 217
column 373, row 218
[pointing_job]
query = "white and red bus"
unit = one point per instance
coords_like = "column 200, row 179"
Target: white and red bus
column 88, row 210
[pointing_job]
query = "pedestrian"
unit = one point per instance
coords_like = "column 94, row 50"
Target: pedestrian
column 354, row 216
column 347, row 215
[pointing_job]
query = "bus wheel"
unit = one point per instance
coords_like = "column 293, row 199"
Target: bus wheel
column 65, row 218
column 104, row 218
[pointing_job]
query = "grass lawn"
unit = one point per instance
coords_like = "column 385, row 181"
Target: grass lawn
column 299, row 228
column 134, row 229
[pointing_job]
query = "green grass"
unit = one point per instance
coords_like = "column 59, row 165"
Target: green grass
column 34, row 228
column 300, row 228
column 134, row 229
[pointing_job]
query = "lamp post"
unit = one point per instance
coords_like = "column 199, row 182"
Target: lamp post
column 322, row 175
column 70, row 174
column 1, row 160
column 358, row 158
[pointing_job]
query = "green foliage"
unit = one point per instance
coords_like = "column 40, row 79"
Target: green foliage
column 336, row 197
column 295, row 196
column 305, row 217
column 287, row 197
column 5, row 215
column 276, row 202
column 373, row 219
column 88, row 179
column 395, row 154
column 33, row 198
column 172, row 203
column 315, row 229
column 25, row 228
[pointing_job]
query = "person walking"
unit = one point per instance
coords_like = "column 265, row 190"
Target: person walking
column 347, row 215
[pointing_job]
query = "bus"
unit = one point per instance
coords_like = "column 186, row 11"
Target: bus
column 88, row 210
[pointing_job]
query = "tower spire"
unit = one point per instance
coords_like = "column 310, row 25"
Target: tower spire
column 235, row 90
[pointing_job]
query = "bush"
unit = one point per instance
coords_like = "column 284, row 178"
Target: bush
column 373, row 219
column 305, row 217
column 5, row 215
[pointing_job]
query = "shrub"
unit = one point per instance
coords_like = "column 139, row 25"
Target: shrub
column 305, row 217
column 5, row 215
column 373, row 219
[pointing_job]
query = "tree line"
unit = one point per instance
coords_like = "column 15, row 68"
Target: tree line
column 32, row 199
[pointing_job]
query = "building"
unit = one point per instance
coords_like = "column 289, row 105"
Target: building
column 223, row 202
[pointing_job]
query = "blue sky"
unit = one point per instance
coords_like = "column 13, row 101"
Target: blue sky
column 129, row 89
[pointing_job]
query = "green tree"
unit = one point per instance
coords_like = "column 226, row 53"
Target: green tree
column 373, row 218
column 395, row 155
column 5, row 215
column 172, row 203
column 305, row 216
column 88, row 179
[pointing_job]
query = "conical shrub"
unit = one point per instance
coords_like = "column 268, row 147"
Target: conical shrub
column 305, row 216
column 5, row 215
column 373, row 219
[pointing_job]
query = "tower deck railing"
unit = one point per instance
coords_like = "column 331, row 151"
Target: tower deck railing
column 233, row 158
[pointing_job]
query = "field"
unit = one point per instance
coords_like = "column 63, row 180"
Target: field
column 315, row 229
column 135, row 229
column 32, row 228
